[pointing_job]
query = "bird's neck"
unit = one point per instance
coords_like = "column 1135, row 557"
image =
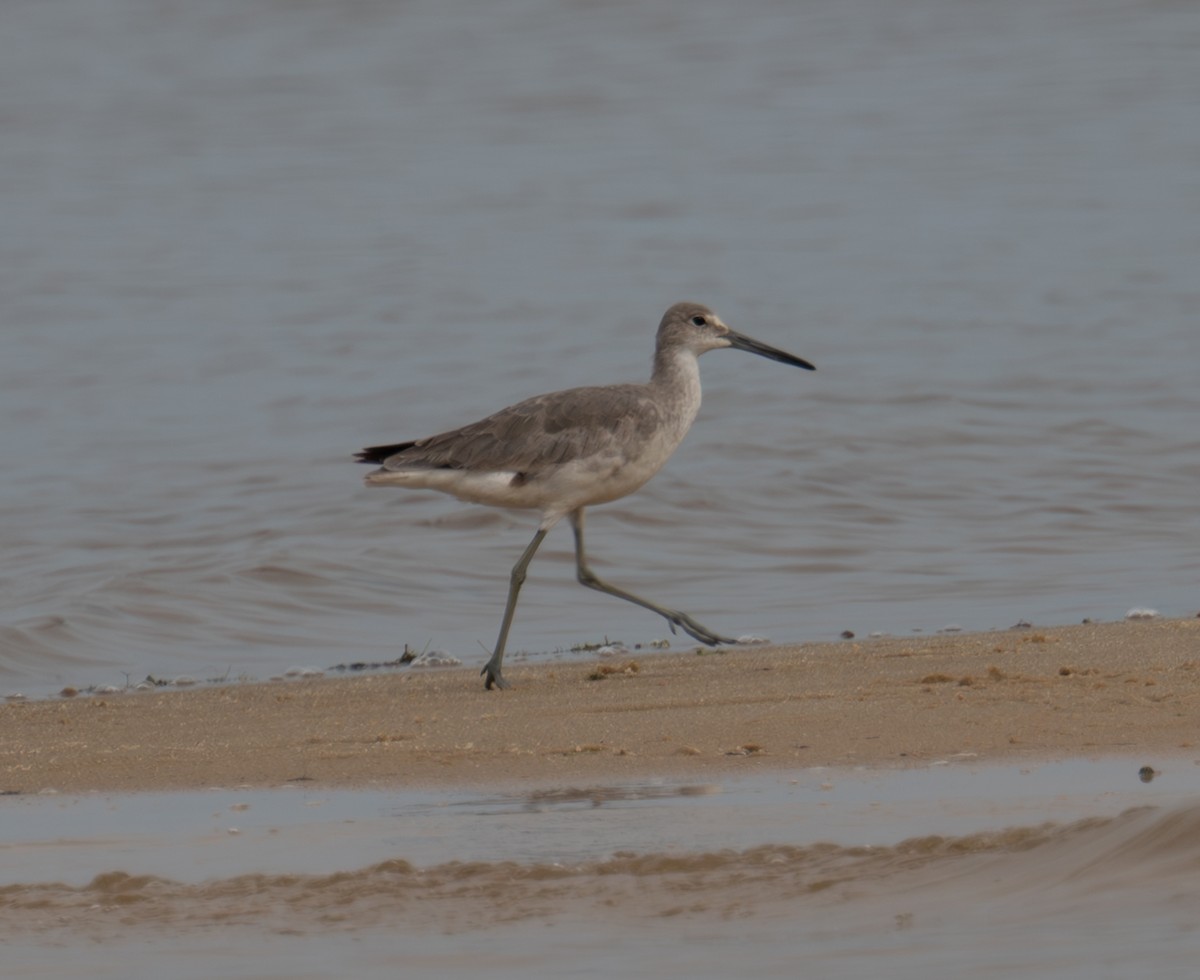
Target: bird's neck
column 678, row 372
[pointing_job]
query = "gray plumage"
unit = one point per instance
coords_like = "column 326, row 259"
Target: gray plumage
column 566, row 450
column 540, row 432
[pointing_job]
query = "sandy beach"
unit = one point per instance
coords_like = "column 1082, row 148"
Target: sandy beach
column 633, row 803
column 1118, row 688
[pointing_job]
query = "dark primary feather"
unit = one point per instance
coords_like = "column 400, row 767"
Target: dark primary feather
column 377, row 454
column 545, row 430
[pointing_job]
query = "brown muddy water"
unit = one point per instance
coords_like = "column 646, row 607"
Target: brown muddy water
column 1064, row 870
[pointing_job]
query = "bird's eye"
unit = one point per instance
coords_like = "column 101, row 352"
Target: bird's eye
column 698, row 321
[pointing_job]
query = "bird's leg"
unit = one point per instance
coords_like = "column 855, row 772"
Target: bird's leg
column 491, row 669
column 673, row 616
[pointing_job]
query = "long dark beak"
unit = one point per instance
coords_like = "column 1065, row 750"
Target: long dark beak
column 739, row 341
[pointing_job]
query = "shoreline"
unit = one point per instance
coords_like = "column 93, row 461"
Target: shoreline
column 1124, row 688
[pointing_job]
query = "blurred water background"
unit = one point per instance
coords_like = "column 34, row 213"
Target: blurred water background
column 243, row 238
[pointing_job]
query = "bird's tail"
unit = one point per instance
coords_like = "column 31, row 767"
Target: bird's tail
column 377, row 454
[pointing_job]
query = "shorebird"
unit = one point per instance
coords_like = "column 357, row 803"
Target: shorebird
column 563, row 451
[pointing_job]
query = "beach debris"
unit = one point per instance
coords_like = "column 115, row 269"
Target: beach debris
column 1147, row 773
column 601, row 646
column 607, row 670
column 1140, row 612
column 936, row 679
column 847, row 634
column 435, row 658
column 407, row 657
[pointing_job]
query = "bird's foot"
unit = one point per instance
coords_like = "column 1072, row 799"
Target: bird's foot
column 697, row 631
column 492, row 676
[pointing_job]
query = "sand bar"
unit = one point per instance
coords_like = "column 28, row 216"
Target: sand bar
column 1130, row 688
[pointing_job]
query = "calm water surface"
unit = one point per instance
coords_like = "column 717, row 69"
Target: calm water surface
column 243, row 239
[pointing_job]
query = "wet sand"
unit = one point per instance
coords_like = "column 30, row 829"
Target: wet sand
column 1039, row 693
column 632, row 804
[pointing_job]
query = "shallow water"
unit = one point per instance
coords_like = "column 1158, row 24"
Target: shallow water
column 939, row 870
column 243, row 239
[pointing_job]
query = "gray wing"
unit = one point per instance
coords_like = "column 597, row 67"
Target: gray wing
column 539, row 432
